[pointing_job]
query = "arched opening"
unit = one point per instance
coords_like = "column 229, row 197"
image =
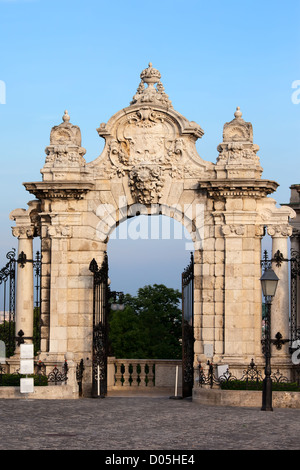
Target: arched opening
column 147, row 255
column 148, row 250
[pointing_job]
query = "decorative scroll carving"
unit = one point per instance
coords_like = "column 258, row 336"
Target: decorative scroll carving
column 149, row 143
column 148, row 148
column 233, row 230
column 260, row 231
column 235, row 153
column 59, row 231
column 279, row 230
column 23, row 232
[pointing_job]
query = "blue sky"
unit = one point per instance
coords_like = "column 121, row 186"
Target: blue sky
column 86, row 56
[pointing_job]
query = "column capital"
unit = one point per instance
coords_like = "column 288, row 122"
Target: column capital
column 280, row 231
column 26, row 224
column 24, row 231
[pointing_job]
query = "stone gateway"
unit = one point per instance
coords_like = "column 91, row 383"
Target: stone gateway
column 150, row 165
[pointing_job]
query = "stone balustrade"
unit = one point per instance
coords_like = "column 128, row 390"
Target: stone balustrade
column 143, row 373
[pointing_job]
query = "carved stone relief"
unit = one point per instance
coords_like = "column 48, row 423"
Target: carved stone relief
column 233, row 230
column 237, row 153
column 65, row 146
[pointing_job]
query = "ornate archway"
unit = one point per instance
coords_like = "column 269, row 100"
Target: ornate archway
column 150, row 163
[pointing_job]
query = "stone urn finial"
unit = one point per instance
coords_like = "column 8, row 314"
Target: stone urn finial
column 150, row 94
column 150, row 75
column 66, row 117
column 238, row 114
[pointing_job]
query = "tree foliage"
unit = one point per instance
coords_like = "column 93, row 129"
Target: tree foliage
column 149, row 327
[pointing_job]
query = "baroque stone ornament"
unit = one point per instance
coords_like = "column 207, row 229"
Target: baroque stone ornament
column 59, row 231
column 279, row 230
column 65, row 149
column 233, row 230
column 146, row 183
column 237, row 153
column 150, row 94
column 149, row 143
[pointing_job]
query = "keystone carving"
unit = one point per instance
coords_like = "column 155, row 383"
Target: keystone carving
column 146, row 183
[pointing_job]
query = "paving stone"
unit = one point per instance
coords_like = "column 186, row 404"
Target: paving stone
column 143, row 423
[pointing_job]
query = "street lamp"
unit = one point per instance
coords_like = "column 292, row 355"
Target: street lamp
column 269, row 282
column 117, row 304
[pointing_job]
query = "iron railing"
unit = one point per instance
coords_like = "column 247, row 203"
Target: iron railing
column 294, row 269
column 8, row 301
column 57, row 376
column 251, row 377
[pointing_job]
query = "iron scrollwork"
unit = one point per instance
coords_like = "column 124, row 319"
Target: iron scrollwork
column 279, row 341
column 100, row 325
column 251, row 377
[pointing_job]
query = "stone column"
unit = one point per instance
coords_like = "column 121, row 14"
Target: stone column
column 280, row 303
column 242, row 303
column 25, row 283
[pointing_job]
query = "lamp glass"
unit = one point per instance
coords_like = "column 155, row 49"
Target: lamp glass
column 269, row 282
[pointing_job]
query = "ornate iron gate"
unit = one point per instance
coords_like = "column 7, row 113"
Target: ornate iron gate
column 188, row 329
column 100, row 327
column 295, row 284
column 294, row 314
column 8, row 303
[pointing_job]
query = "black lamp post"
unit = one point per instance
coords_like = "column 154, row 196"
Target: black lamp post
column 269, row 282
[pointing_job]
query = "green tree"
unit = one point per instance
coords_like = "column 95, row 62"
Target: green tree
column 150, row 325
column 7, row 335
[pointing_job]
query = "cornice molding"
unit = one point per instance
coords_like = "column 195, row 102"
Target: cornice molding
column 238, row 188
column 59, row 190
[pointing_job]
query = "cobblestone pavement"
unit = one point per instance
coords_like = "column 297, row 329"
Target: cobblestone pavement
column 143, row 423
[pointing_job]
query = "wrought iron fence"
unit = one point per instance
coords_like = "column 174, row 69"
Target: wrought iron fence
column 8, row 301
column 294, row 269
column 295, row 276
column 55, row 377
column 251, row 378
